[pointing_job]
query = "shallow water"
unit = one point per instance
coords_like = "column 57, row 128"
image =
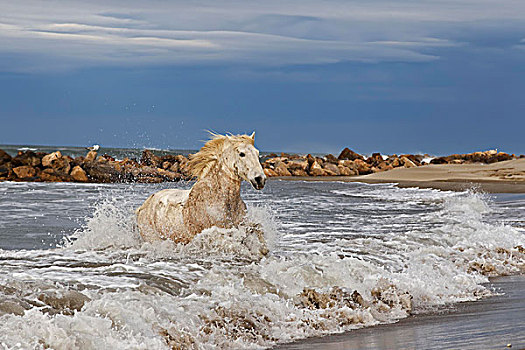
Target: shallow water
column 74, row 273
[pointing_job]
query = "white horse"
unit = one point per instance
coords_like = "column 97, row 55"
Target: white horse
column 214, row 200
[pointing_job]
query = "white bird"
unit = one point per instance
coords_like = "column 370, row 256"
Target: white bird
column 93, row 148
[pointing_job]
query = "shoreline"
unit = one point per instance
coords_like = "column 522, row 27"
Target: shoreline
column 489, row 323
column 502, row 177
column 444, row 185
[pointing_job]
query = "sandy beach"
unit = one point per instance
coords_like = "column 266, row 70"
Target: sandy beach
column 491, row 323
column 502, row 177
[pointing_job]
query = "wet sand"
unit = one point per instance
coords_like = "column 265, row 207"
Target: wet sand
column 501, row 177
column 490, row 323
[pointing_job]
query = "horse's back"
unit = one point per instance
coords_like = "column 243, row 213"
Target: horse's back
column 160, row 216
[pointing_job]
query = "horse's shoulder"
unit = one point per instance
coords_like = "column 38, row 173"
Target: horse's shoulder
column 172, row 196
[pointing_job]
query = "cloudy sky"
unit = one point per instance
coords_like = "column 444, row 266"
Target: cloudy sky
column 307, row 76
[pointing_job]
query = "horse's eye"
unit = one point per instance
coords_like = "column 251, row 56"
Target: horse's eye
column 242, row 154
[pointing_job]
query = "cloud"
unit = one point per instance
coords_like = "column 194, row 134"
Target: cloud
column 271, row 33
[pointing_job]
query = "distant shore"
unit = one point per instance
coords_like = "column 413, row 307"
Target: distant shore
column 490, row 171
column 491, row 323
column 501, row 177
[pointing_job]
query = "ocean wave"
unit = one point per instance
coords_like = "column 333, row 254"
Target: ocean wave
column 106, row 287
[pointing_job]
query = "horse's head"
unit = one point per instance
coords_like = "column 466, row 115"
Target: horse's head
column 242, row 158
column 234, row 153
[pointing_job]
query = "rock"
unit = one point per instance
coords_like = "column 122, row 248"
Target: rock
column 25, row 171
column 104, row 172
column 61, row 165
column 439, row 160
column 375, row 159
column 301, row 164
column 501, row 156
column 29, row 158
column 78, row 174
column 107, row 158
column 269, row 172
column 316, row 169
column 10, row 307
column 174, row 168
column 298, row 172
column 168, row 175
column 407, row 163
column 150, row 159
column 47, row 160
column 331, row 158
column 350, row 155
column 4, row 157
column 5, row 171
column 362, row 167
column 91, row 156
column 50, row 175
column 346, row 171
column 66, row 302
column 282, row 170
column 384, row 166
column 331, row 169
column 310, row 159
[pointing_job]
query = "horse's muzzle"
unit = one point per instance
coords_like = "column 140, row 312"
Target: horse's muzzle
column 258, row 182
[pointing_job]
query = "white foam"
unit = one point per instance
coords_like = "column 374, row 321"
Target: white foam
column 220, row 292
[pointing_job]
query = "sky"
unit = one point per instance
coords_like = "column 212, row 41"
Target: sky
column 406, row 76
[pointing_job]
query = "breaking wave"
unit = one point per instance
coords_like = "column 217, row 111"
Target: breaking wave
column 104, row 287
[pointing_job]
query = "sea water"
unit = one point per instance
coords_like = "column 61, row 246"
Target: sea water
column 75, row 274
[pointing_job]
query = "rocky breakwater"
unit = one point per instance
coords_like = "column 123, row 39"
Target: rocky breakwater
column 350, row 163
column 55, row 167
column 487, row 157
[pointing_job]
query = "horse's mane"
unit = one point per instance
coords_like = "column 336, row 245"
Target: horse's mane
column 208, row 155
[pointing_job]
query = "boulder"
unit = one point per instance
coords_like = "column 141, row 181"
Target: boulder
column 24, row 171
column 317, row 170
column 331, row 158
column 5, row 171
column 350, row 155
column 29, row 158
column 50, row 175
column 4, row 157
column 384, row 166
column 375, row 159
column 346, row 171
column 78, row 174
column 331, row 169
column 150, row 159
column 168, row 175
column 407, row 163
column 61, row 165
column 298, row 164
column 269, row 172
column 413, row 158
column 439, row 160
column 47, row 160
column 298, row 172
column 91, row 156
column 282, row 170
column 362, row 167
column 174, row 168
column 104, row 172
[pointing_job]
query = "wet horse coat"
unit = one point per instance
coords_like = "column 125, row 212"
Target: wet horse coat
column 214, row 200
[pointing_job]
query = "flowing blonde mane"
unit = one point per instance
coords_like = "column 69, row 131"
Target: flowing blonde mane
column 201, row 162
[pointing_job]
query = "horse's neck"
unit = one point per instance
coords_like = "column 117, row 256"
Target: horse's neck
column 214, row 200
column 223, row 187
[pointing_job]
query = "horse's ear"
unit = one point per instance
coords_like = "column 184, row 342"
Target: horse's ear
column 252, row 136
